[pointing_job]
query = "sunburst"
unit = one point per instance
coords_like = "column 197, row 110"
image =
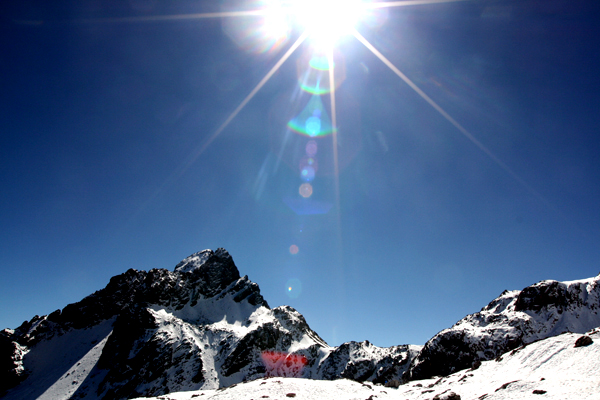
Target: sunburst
column 322, row 23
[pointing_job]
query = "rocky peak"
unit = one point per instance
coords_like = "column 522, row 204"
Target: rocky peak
column 194, row 261
column 561, row 296
column 214, row 271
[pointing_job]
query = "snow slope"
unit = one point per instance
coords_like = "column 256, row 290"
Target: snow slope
column 550, row 369
column 60, row 367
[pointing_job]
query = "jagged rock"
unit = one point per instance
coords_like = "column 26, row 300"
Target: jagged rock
column 11, row 361
column 583, row 341
column 362, row 361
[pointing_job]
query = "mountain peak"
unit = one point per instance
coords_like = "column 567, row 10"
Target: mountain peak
column 199, row 259
column 194, row 261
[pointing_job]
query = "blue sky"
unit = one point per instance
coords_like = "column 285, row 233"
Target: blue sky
column 104, row 164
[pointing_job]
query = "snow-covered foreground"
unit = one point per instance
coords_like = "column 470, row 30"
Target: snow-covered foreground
column 552, row 368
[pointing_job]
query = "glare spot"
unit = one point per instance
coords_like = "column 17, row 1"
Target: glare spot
column 312, row 120
column 258, row 33
column 294, row 250
column 320, row 62
column 308, row 168
column 306, row 190
column 308, row 173
column 293, row 288
column 313, row 71
column 313, row 126
column 311, row 148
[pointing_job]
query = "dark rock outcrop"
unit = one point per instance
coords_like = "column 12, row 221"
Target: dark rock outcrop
column 11, row 361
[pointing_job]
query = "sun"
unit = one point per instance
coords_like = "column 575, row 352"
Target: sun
column 326, row 21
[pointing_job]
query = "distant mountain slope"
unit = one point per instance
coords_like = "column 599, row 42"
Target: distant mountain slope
column 542, row 310
column 549, row 369
column 155, row 332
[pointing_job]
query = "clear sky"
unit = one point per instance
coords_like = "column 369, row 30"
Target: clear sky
column 118, row 150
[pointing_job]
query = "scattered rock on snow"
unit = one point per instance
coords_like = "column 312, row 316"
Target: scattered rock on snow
column 583, row 341
column 393, row 383
column 538, row 391
column 505, row 385
column 447, row 396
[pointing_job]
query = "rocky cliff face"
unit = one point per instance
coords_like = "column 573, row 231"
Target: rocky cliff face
column 362, row 361
column 515, row 318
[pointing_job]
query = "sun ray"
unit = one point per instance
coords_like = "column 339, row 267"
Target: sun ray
column 194, row 156
column 260, row 84
column 175, row 17
column 403, row 3
column 447, row 116
column 336, row 176
column 334, row 126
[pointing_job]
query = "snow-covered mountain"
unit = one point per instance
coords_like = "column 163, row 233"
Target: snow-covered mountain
column 549, row 369
column 199, row 326
column 202, row 327
column 515, row 318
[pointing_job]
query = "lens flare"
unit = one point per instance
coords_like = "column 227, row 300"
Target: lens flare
column 264, row 32
column 311, row 148
column 313, row 124
column 293, row 287
column 313, row 120
column 306, row 190
column 307, row 173
column 293, row 250
column 313, row 70
column 282, row 364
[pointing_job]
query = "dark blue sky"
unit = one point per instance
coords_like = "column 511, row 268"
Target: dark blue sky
column 100, row 171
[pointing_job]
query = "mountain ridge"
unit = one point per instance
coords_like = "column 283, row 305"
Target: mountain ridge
column 200, row 325
column 203, row 326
